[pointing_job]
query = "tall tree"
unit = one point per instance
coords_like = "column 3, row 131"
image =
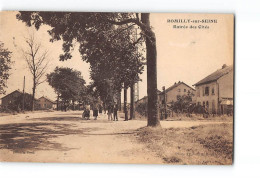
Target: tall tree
column 119, row 63
column 89, row 28
column 37, row 62
column 5, row 66
column 68, row 84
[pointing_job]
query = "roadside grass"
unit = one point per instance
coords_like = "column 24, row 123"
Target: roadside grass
column 193, row 117
column 198, row 117
column 210, row 144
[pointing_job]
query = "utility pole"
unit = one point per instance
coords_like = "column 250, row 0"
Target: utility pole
column 23, row 90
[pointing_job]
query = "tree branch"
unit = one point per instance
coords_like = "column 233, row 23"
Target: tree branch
column 136, row 21
column 123, row 30
column 138, row 40
column 122, row 22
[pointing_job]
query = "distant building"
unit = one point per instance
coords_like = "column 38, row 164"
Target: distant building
column 215, row 91
column 11, row 98
column 142, row 100
column 176, row 90
column 46, row 103
column 14, row 101
column 145, row 98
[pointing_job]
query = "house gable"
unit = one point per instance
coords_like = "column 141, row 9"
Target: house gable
column 178, row 89
column 215, row 75
column 14, row 93
column 44, row 99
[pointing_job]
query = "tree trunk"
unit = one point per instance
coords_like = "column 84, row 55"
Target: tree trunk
column 151, row 56
column 33, row 95
column 58, row 102
column 73, row 104
column 65, row 106
column 119, row 100
column 132, row 105
column 125, row 103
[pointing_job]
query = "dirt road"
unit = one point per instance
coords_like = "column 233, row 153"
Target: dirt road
column 66, row 137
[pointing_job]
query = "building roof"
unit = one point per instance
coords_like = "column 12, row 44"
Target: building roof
column 12, row 93
column 176, row 85
column 47, row 99
column 215, row 76
column 158, row 92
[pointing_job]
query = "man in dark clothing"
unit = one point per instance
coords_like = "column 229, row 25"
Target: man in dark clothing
column 100, row 108
column 109, row 111
column 115, row 112
column 95, row 111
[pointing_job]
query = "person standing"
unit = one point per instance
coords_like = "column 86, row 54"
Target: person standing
column 100, row 108
column 115, row 112
column 109, row 112
column 95, row 111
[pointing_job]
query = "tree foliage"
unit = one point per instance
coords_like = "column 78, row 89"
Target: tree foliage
column 67, row 83
column 5, row 66
column 108, row 38
column 141, row 108
column 182, row 104
column 119, row 64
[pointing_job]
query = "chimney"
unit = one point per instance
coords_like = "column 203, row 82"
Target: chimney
column 224, row 66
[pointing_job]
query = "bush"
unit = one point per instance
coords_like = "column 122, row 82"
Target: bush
column 141, row 108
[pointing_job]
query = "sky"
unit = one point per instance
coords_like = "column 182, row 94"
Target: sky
column 186, row 55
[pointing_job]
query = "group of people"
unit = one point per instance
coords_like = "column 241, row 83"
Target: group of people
column 111, row 112
column 112, row 109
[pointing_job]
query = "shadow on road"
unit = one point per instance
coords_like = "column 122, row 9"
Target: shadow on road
column 29, row 137
column 70, row 114
column 70, row 119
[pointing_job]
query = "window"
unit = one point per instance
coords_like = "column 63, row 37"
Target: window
column 207, row 103
column 184, row 90
column 206, row 91
column 203, row 103
column 213, row 91
column 179, row 90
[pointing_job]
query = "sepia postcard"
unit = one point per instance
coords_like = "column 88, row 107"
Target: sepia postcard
column 127, row 88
